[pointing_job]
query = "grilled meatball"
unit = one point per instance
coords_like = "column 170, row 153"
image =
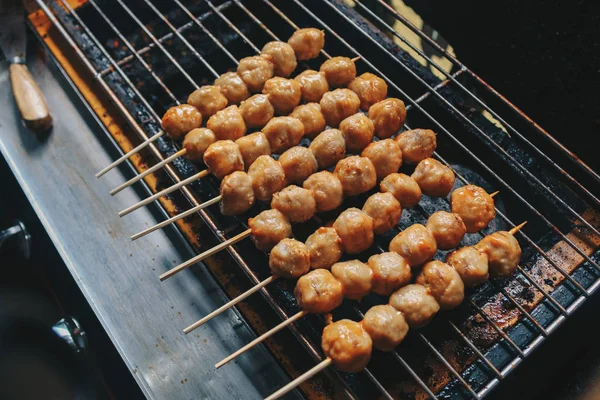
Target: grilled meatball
column 325, row 247
column 390, row 271
column 237, row 195
column 403, row 187
column 283, row 93
column 227, row 124
column 329, row 148
column 357, row 175
column 255, row 71
column 196, row 142
column 208, row 100
column 444, row 283
column 339, row 71
column 474, row 205
column 385, row 211
column 416, row 244
column 370, row 89
column 358, row 132
column 298, row 164
column 307, row 43
column 257, row 111
column 253, row 146
column 503, row 252
column 283, row 133
column 385, row 155
column 232, row 87
column 416, row 303
column 416, row 144
column 386, row 326
column 312, row 118
column 433, row 177
column 267, row 177
column 347, row 344
column 388, row 116
column 269, row 228
column 223, row 157
column 314, row 85
column 355, row 277
column 296, row 203
column 338, row 105
column 282, row 56
column 355, row 228
column 289, row 259
column 181, row 119
column 471, row 264
column 326, row 189
column 448, row 229
column 318, row 292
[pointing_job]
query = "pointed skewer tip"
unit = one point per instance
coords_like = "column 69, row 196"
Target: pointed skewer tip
column 517, row 228
column 495, row 193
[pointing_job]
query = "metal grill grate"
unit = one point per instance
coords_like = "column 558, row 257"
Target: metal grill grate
column 147, row 55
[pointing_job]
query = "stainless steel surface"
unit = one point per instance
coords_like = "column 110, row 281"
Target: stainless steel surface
column 12, row 33
column 118, row 277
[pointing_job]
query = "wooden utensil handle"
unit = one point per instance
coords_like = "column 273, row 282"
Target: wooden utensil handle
column 29, row 98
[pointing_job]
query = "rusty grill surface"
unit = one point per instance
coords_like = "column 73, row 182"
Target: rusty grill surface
column 148, row 55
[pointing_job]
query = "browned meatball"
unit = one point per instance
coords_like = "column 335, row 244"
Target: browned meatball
column 325, row 247
column 385, row 211
column 298, row 164
column 416, row 144
column 257, row 111
column 358, row 132
column 347, row 344
column 314, row 85
column 307, row 43
column 339, row 71
column 388, row 116
column 355, row 277
column 390, row 271
column 223, row 157
column 357, row 175
column 433, row 177
column 253, row 146
column 326, row 189
column 227, row 124
column 338, row 105
column 196, row 142
column 312, row 118
column 296, row 203
column 282, row 56
column 503, row 252
column 355, row 228
column 283, row 133
column 370, row 89
column 208, row 100
column 232, row 87
column 237, row 195
column 471, row 264
column 474, row 205
column 416, row 303
column 283, row 93
column 403, row 187
column 329, row 148
column 289, row 259
column 416, row 244
column 448, row 229
column 255, row 71
column 181, row 119
column 269, row 228
column 318, row 292
column 386, row 326
column 385, row 155
column 267, row 177
column 444, row 283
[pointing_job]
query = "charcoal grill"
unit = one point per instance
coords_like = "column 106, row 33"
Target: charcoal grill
column 147, row 55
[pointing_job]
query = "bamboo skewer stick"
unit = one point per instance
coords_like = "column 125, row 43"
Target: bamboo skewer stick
column 130, row 153
column 517, row 228
column 301, row 379
column 495, row 193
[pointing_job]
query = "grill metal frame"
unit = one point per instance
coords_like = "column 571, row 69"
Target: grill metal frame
column 431, row 92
